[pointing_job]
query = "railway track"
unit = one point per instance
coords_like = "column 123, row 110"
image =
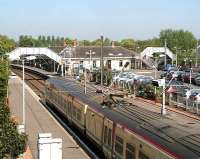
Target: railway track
column 37, row 84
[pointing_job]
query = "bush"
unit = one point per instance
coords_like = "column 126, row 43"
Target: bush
column 145, row 91
column 12, row 143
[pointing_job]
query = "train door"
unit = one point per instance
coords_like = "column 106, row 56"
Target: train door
column 119, row 142
column 107, row 138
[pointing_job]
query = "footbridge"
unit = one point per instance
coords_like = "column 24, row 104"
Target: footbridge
column 40, row 57
column 147, row 54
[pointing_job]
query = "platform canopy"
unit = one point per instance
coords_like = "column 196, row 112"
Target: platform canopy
column 34, row 51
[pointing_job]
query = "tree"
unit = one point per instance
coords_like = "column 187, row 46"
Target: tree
column 69, row 42
column 181, row 39
column 128, row 43
column 6, row 45
column 107, row 42
column 96, row 42
column 26, row 41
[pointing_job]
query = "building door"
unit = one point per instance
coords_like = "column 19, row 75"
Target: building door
column 109, row 64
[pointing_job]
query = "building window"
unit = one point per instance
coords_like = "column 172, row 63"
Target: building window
column 119, row 145
column 109, row 64
column 132, row 63
column 94, row 64
column 143, row 156
column 81, row 64
column 130, row 151
column 120, row 63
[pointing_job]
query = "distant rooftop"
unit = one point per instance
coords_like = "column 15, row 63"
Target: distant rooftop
column 108, row 51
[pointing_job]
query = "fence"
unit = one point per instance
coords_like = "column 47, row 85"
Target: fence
column 173, row 99
column 176, row 99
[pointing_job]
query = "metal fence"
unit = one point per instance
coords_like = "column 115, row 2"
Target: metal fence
column 173, row 99
column 176, row 99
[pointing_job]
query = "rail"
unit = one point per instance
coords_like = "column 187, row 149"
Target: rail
column 65, row 126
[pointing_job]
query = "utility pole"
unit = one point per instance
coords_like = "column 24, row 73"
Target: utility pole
column 85, row 82
column 165, row 52
column 196, row 56
column 101, row 61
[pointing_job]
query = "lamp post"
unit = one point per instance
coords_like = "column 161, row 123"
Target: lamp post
column 101, row 61
column 176, row 56
column 163, row 108
column 90, row 53
column 196, row 55
column 23, row 95
column 165, row 52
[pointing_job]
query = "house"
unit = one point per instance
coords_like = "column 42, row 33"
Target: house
column 79, row 57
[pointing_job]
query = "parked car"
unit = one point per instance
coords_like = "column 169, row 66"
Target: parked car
column 197, row 80
column 144, row 80
column 125, row 78
column 178, row 75
column 190, row 94
column 169, row 67
column 186, row 77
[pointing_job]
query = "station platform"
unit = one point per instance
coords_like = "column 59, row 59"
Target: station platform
column 34, row 69
column 39, row 120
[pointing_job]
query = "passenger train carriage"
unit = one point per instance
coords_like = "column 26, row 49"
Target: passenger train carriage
column 125, row 132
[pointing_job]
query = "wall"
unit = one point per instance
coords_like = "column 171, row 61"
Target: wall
column 114, row 63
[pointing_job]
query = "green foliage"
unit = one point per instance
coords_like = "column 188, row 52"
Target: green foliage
column 6, row 45
column 43, row 41
column 181, row 39
column 128, row 43
column 145, row 91
column 11, row 142
column 107, row 76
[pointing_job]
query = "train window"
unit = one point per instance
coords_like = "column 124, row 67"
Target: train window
column 69, row 107
column 119, row 145
column 109, row 136
column 143, row 156
column 130, row 151
column 79, row 114
column 74, row 111
column 66, row 106
column 105, row 134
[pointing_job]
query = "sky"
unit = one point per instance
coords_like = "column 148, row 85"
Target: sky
column 88, row 19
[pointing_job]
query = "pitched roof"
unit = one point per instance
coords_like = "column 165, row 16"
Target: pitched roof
column 57, row 49
column 108, row 51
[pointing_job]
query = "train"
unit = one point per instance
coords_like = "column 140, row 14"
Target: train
column 123, row 132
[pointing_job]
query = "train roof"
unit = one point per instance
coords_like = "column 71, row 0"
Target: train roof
column 177, row 135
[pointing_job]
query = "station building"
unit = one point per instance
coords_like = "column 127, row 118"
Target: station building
column 79, row 57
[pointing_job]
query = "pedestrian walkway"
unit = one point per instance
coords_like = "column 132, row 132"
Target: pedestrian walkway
column 39, row 120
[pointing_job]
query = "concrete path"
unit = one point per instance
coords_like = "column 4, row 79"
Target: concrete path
column 39, row 120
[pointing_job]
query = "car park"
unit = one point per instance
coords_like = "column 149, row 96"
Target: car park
column 190, row 94
column 187, row 75
column 197, row 80
column 144, row 80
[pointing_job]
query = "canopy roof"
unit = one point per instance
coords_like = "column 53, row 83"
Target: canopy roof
column 34, row 51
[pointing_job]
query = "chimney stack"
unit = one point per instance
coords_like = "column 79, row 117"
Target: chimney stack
column 113, row 44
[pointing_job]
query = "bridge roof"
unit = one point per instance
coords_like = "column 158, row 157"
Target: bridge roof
column 149, row 51
column 34, row 51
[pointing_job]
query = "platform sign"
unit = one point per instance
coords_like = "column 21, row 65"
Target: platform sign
column 49, row 148
column 56, row 148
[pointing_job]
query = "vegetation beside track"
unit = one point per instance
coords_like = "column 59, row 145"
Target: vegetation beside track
column 12, row 144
